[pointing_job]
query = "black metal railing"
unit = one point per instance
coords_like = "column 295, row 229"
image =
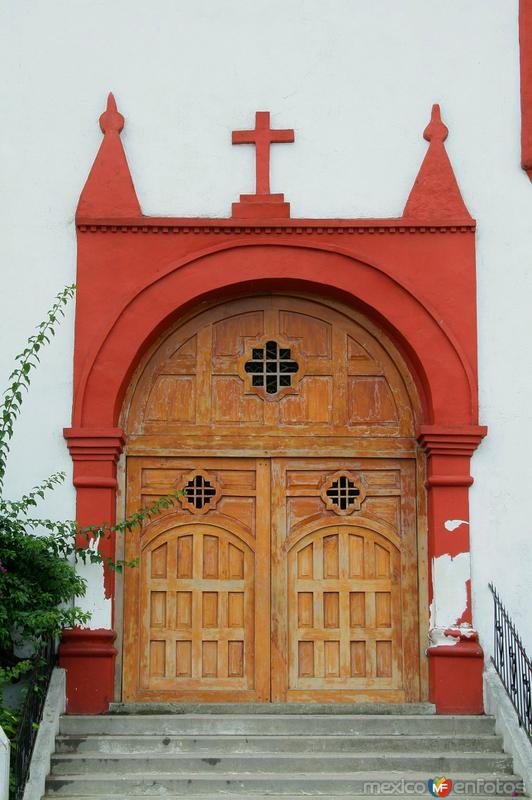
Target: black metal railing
column 31, row 714
column 512, row 664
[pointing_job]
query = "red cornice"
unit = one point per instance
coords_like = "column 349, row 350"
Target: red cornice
column 94, row 444
column 440, row 440
column 449, row 480
column 273, row 226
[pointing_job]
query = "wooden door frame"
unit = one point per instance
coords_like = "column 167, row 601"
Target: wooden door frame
column 352, row 444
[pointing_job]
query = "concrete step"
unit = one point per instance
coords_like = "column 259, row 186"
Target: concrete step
column 274, row 709
column 149, row 743
column 285, row 755
column 272, row 724
column 276, row 763
column 166, row 785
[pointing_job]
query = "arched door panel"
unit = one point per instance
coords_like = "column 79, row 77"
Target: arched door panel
column 197, row 593
column 197, row 607
column 344, row 620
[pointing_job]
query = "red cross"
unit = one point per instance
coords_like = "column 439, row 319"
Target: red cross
column 262, row 137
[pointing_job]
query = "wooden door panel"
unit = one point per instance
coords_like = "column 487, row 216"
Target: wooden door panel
column 342, row 584
column 344, row 580
column 198, row 600
column 197, row 607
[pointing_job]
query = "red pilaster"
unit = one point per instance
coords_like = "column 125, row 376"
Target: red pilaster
column 455, row 657
column 89, row 655
column 525, row 46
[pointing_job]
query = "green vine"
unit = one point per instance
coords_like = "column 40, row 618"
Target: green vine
column 38, row 556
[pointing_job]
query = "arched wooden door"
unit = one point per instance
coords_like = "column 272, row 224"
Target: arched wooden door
column 289, row 569
column 197, row 608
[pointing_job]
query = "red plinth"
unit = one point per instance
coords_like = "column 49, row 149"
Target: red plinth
column 261, row 206
column 455, row 677
column 89, row 660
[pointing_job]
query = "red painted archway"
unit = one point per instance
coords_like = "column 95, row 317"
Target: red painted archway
column 414, row 276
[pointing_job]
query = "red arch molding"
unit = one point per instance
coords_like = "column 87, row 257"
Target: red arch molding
column 414, row 276
column 445, row 377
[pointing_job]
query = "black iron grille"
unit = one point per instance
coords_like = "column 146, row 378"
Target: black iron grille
column 343, row 492
column 199, row 491
column 271, row 367
column 512, row 663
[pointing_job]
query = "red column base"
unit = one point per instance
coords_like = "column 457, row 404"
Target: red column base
column 455, row 676
column 89, row 660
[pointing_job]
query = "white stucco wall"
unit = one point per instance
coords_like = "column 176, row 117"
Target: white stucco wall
column 356, row 79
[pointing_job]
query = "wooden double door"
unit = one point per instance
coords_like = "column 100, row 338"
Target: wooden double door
column 274, row 579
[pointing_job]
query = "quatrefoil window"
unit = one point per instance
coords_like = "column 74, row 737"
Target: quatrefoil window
column 200, row 492
column 271, row 367
column 343, row 493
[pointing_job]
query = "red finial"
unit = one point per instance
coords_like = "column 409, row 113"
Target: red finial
column 435, row 129
column 435, row 196
column 109, row 190
column 111, row 121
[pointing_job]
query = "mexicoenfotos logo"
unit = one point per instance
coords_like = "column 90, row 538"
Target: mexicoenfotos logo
column 440, row 787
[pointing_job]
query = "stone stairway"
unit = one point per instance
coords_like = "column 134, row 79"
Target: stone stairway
column 233, row 752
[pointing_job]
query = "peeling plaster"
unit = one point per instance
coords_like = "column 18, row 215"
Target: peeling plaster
column 451, row 636
column 95, row 601
column 453, row 524
column 467, row 632
column 449, row 590
column 439, row 638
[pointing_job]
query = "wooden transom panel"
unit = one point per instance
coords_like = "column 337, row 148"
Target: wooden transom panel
column 269, row 366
